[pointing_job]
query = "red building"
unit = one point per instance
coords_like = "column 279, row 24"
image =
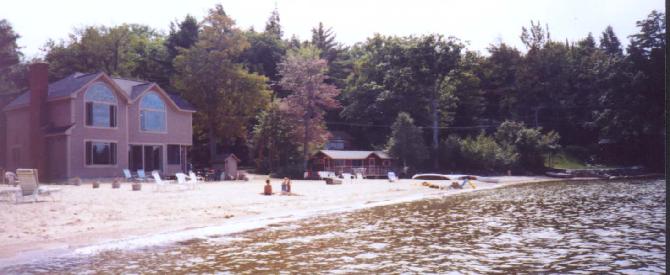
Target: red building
column 369, row 163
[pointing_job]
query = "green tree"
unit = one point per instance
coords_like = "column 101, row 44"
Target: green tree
column 530, row 144
column 633, row 101
column 124, row 50
column 610, row 43
column 11, row 70
column 406, row 142
column 401, row 74
column 273, row 140
column 226, row 95
column 265, row 52
column 273, row 25
column 483, row 153
column 182, row 34
column 304, row 74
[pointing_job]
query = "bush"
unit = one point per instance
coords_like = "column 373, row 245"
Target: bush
column 530, row 144
column 484, row 153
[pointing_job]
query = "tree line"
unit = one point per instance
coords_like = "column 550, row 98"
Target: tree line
column 427, row 99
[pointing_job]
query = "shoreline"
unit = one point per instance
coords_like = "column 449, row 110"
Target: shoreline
column 367, row 194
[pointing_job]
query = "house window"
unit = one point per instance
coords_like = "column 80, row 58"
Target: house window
column 174, row 154
column 371, row 162
column 100, row 153
column 357, row 163
column 100, row 106
column 152, row 113
column 339, row 162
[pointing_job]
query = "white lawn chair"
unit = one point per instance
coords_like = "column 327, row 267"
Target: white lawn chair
column 181, row 180
column 29, row 186
column 392, row 177
column 359, row 176
column 160, row 184
column 192, row 179
column 347, row 178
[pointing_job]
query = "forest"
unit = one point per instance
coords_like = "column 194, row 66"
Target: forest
column 426, row 99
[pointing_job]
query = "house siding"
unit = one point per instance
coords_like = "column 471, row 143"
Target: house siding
column 59, row 112
column 57, row 158
column 17, row 138
column 82, row 133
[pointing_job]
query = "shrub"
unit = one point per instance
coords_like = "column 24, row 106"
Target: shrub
column 484, row 153
column 530, row 144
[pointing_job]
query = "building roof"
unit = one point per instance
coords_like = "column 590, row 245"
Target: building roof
column 52, row 131
column 72, row 83
column 344, row 154
column 60, row 88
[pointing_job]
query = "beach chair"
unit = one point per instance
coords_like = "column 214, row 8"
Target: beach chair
column 129, row 177
column 347, row 178
column 193, row 179
column 141, row 176
column 160, row 183
column 392, row 177
column 181, row 180
column 29, row 186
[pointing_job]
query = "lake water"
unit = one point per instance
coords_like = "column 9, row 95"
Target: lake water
column 574, row 227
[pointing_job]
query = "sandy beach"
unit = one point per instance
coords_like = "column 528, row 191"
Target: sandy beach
column 82, row 216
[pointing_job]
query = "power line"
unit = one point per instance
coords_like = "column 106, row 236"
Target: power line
column 422, row 127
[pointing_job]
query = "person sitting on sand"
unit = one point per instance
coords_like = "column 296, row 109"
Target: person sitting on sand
column 268, row 188
column 286, row 186
column 283, row 185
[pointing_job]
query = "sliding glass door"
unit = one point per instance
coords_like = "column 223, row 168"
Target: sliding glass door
column 147, row 157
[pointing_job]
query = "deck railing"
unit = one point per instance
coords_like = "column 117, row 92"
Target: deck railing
column 370, row 171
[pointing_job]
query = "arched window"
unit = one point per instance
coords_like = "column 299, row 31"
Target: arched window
column 152, row 113
column 100, row 106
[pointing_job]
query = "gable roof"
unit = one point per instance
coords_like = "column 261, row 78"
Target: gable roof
column 74, row 82
column 343, row 154
column 58, row 89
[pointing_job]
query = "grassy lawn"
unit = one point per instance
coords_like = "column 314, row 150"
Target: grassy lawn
column 562, row 160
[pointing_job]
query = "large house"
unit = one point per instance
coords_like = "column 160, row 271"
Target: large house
column 368, row 163
column 94, row 125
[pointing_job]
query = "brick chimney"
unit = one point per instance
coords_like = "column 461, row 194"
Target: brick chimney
column 38, row 82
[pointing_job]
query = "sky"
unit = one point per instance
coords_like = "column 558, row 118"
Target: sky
column 480, row 23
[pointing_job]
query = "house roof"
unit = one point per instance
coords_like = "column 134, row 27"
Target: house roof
column 72, row 83
column 52, row 131
column 344, row 154
column 60, row 88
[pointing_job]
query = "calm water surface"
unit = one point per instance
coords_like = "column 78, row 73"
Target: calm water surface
column 585, row 227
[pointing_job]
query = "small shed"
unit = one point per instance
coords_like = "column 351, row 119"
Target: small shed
column 228, row 164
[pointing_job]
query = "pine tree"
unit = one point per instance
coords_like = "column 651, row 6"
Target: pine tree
column 406, row 141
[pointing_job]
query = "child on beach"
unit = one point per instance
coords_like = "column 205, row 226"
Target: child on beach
column 268, row 188
column 286, row 186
